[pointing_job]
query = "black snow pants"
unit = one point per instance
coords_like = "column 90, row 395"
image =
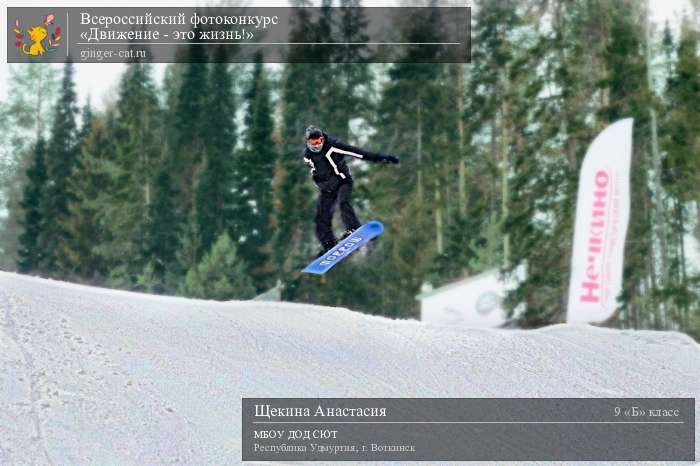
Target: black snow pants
column 340, row 193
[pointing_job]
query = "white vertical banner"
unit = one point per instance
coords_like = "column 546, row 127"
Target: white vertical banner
column 602, row 215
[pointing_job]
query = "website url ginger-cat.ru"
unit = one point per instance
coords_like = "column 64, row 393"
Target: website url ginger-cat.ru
column 99, row 55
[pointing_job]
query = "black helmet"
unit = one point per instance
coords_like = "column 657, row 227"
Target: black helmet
column 313, row 132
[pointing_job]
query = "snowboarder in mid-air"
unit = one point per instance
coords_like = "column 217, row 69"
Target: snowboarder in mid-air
column 326, row 157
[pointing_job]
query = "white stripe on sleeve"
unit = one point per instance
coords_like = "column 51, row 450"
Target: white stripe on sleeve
column 330, row 159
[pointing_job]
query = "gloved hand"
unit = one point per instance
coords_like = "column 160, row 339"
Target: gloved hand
column 385, row 158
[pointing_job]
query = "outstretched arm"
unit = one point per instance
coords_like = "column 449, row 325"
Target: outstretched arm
column 346, row 149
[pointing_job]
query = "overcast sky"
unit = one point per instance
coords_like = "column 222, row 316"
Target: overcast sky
column 96, row 79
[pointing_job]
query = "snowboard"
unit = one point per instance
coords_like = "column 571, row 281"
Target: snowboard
column 345, row 247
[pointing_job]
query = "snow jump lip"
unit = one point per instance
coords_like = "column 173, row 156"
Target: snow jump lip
column 346, row 247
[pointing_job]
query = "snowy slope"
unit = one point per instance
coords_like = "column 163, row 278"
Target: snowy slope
column 96, row 376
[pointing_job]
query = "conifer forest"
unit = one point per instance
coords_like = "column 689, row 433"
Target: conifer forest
column 194, row 184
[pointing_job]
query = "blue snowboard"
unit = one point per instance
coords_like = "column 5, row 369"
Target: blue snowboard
column 344, row 248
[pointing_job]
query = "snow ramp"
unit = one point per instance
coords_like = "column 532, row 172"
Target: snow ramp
column 104, row 377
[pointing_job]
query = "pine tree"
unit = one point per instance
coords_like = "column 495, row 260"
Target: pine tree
column 160, row 240
column 74, row 251
column 213, row 196
column 25, row 117
column 681, row 174
column 138, row 154
column 415, row 121
column 683, row 91
column 628, row 93
column 548, row 137
column 190, row 124
column 172, row 82
column 325, row 30
column 352, row 71
column 221, row 274
column 32, row 252
column 254, row 170
column 188, row 254
column 87, row 118
column 86, row 222
column 61, row 163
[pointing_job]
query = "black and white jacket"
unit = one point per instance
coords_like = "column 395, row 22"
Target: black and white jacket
column 328, row 166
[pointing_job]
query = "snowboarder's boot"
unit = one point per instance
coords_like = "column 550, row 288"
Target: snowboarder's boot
column 325, row 248
column 347, row 233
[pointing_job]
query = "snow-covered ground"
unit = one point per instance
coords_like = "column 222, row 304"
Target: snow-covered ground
column 104, row 377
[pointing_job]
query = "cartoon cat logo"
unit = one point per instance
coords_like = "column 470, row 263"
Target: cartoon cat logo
column 37, row 35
